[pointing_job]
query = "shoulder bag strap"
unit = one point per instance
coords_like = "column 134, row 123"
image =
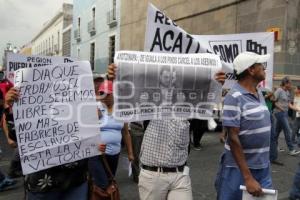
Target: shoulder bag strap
column 106, row 165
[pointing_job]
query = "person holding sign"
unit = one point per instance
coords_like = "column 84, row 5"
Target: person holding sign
column 5, row 182
column 164, row 153
column 112, row 132
column 246, row 120
column 63, row 182
column 282, row 105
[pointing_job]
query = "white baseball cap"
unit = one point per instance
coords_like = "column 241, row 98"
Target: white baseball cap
column 246, row 59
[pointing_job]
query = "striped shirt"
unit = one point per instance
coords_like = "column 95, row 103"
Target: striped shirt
column 250, row 114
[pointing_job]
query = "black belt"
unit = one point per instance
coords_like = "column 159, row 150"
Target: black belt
column 164, row 169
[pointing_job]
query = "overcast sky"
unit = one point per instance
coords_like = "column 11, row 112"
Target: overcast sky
column 21, row 20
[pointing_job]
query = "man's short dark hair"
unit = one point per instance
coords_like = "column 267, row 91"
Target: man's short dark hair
column 285, row 81
column 165, row 68
column 241, row 75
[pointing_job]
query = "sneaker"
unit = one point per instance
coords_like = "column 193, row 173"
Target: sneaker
column 294, row 152
column 7, row 184
column 198, row 147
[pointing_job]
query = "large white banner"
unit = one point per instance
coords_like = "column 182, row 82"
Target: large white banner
column 55, row 117
column 160, row 86
column 163, row 35
column 229, row 46
column 19, row 61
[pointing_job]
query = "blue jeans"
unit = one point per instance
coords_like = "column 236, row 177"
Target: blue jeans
column 230, row 179
column 273, row 141
column 97, row 170
column 282, row 123
column 295, row 191
column 79, row 192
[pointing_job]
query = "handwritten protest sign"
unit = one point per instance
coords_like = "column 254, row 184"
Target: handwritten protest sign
column 56, row 115
column 159, row 86
column 164, row 35
column 19, row 61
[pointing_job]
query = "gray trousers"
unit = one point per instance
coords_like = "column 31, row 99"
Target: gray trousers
column 137, row 134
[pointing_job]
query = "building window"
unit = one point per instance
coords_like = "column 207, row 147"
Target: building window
column 94, row 13
column 45, row 47
column 92, row 55
column 111, row 48
column 114, row 9
column 58, row 43
column 78, row 53
column 53, row 50
column 92, row 23
column 78, row 24
column 49, row 51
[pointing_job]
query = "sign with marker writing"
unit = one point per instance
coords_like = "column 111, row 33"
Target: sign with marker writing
column 19, row 61
column 164, row 35
column 55, row 116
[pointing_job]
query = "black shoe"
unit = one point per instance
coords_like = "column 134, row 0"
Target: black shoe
column 7, row 184
column 276, row 162
column 198, row 147
column 135, row 178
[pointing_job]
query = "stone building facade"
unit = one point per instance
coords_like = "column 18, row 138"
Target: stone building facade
column 50, row 40
column 223, row 17
column 96, row 32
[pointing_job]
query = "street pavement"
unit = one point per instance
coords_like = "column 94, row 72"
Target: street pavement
column 203, row 166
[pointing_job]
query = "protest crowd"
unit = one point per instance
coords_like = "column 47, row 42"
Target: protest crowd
column 68, row 127
column 158, row 149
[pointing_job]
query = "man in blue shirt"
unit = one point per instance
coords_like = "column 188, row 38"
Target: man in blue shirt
column 246, row 120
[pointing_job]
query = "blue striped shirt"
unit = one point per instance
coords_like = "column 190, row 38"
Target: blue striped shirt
column 110, row 130
column 250, row 114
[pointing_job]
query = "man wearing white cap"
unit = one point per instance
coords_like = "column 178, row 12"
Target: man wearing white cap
column 246, row 119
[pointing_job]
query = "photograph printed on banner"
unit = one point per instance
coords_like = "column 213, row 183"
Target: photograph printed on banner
column 166, row 87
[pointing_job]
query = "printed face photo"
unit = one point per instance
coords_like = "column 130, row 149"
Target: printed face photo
column 180, row 97
column 165, row 76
